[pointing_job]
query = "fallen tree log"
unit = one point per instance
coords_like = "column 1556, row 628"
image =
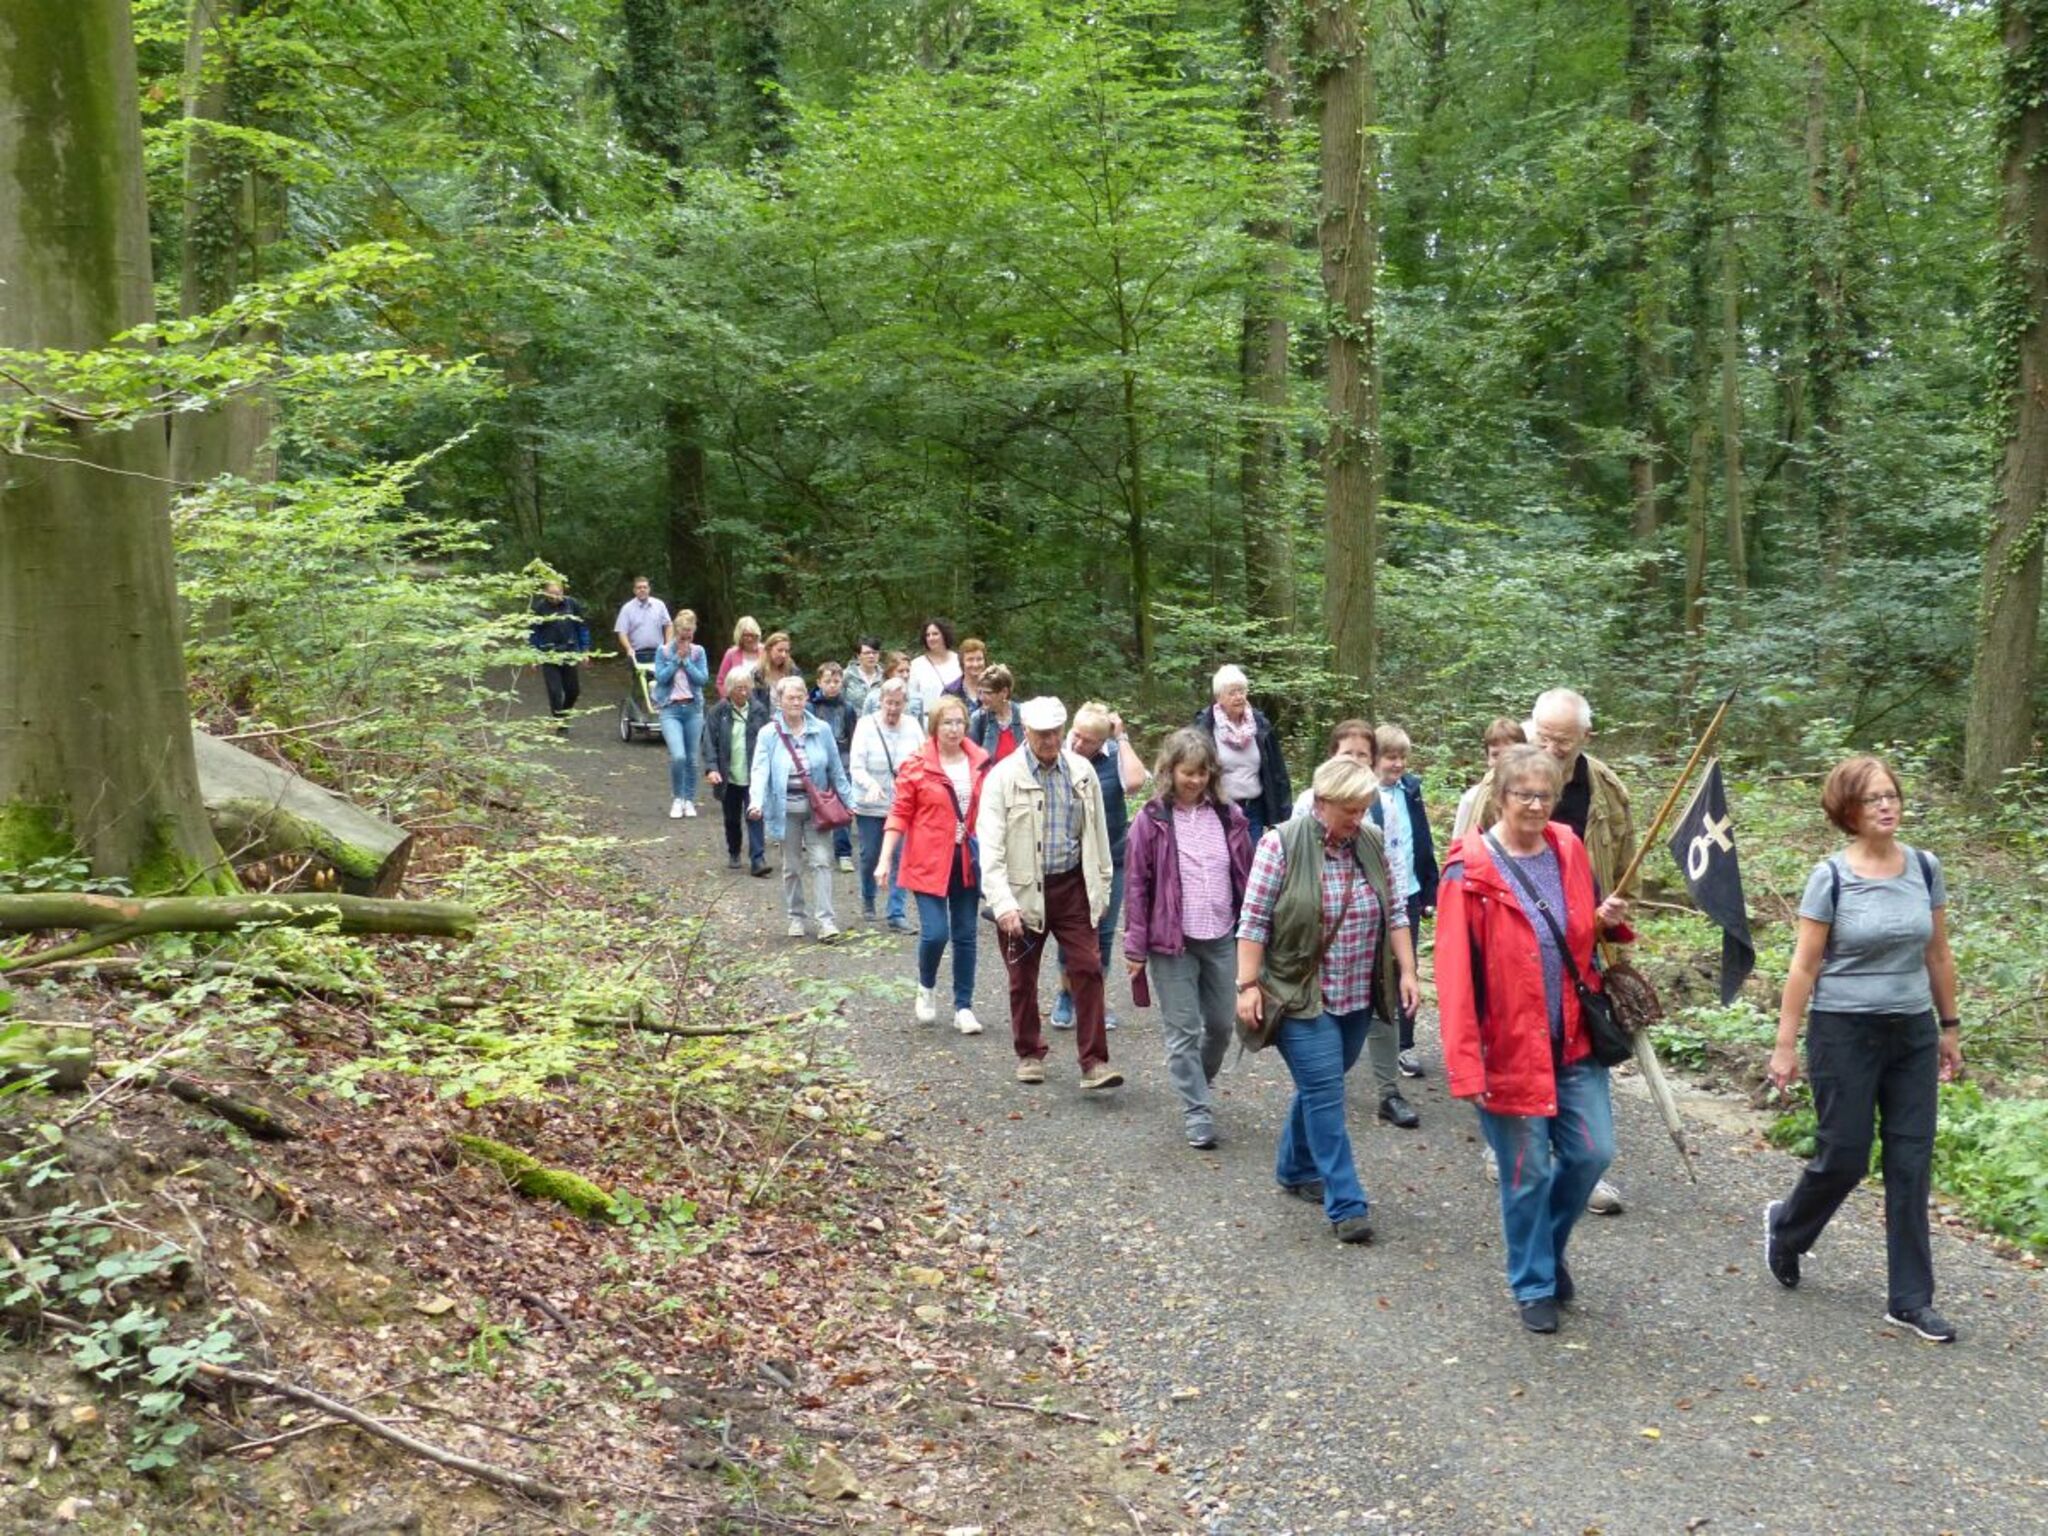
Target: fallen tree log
column 263, row 1124
column 115, row 919
column 531, row 1177
column 262, row 809
column 29, row 1047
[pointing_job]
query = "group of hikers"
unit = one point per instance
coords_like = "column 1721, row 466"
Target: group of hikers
column 1256, row 914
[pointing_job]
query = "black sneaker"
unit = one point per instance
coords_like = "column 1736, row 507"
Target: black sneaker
column 1353, row 1229
column 1410, row 1063
column 1925, row 1321
column 759, row 868
column 1781, row 1261
column 1540, row 1315
column 1396, row 1110
column 732, row 861
column 1312, row 1191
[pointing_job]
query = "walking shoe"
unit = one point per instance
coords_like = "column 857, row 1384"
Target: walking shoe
column 1925, row 1321
column 689, row 810
column 1396, row 1110
column 1062, row 1010
column 732, row 861
column 1540, row 1314
column 1410, row 1063
column 1605, row 1200
column 1030, row 1070
column 1566, row 1290
column 1312, row 1191
column 796, row 927
column 828, row 933
column 1201, row 1133
column 846, row 866
column 1102, row 1075
column 1781, row 1261
column 675, row 810
column 1492, row 1163
column 867, row 914
column 758, row 868
column 1108, row 1018
column 1353, row 1229
column 900, row 925
column 965, row 1021
column 927, row 1004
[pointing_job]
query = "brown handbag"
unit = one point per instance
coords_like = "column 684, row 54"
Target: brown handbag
column 828, row 811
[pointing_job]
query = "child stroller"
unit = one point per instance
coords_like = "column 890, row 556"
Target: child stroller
column 638, row 718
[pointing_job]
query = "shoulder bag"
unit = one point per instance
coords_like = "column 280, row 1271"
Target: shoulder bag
column 1272, row 1007
column 828, row 811
column 1610, row 1039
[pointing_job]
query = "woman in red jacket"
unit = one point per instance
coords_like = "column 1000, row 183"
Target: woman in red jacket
column 1517, row 916
column 938, row 795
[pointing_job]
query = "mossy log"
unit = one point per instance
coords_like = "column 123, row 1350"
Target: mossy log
column 259, row 809
column 534, row 1178
column 116, row 919
column 261, row 1123
column 29, row 1047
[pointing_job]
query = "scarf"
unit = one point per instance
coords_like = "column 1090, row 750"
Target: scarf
column 1237, row 737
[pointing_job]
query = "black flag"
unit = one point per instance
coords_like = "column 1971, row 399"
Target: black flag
column 1704, row 846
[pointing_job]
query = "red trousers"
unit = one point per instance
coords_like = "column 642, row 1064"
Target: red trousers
column 1067, row 921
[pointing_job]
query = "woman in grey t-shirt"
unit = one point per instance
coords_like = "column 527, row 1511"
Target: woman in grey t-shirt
column 1873, row 976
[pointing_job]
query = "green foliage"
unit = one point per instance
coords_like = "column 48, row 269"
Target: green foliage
column 1991, row 1154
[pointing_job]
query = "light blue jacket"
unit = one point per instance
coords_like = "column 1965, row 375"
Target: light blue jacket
column 695, row 667
column 770, row 781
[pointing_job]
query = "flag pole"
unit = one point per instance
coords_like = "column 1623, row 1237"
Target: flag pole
column 1670, row 804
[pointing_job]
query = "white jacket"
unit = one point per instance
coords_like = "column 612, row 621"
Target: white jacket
column 1011, row 829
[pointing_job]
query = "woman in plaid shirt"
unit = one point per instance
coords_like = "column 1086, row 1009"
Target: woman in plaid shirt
column 1317, row 930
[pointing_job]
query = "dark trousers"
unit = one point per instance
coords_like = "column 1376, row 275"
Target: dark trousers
column 733, row 799
column 1865, row 1068
column 565, row 686
column 1415, row 938
column 1066, row 922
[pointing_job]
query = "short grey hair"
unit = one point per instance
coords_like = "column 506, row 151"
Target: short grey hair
column 1525, row 762
column 893, row 685
column 792, row 681
column 1344, row 781
column 1228, row 676
column 737, row 676
column 1558, row 701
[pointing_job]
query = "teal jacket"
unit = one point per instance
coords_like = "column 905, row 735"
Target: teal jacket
column 770, row 779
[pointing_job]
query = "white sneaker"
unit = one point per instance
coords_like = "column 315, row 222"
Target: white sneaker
column 796, row 927
column 927, row 1005
column 828, row 933
column 689, row 808
column 675, row 810
column 965, row 1021
column 1605, row 1200
column 1492, row 1162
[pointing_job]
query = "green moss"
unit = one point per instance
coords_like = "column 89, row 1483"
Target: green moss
column 167, row 867
column 533, row 1178
column 30, row 832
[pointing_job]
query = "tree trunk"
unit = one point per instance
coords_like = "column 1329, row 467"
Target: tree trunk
column 1643, row 365
column 232, row 212
column 1706, row 156
column 2001, row 720
column 1347, row 240
column 1736, row 527
column 1265, row 493
column 697, row 577
column 260, row 809
column 1136, row 533
column 95, row 742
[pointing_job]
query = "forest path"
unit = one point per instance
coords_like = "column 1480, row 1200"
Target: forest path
column 1302, row 1388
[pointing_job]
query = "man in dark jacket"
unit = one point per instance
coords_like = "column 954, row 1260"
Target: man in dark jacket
column 560, row 631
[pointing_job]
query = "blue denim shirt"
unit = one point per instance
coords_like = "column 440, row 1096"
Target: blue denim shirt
column 694, row 666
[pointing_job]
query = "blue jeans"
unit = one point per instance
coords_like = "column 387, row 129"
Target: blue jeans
column 1548, row 1167
column 1315, row 1143
column 955, row 915
column 871, row 829
column 1251, row 815
column 680, row 724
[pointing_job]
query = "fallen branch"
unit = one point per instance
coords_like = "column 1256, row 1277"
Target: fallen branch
column 483, row 1472
column 530, row 1176
column 257, row 1121
column 111, row 920
column 1067, row 1414
column 161, row 976
column 296, row 730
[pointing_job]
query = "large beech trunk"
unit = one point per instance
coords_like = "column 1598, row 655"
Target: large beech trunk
column 2001, row 721
column 1348, row 243
column 259, row 809
column 1263, row 450
column 95, row 744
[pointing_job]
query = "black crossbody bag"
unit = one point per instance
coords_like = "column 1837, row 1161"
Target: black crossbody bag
column 1611, row 1043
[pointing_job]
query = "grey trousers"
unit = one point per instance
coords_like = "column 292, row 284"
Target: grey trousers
column 804, row 845
column 1383, row 1050
column 1197, row 1004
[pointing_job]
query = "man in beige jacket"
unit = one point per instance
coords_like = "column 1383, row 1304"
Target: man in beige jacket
column 1046, row 872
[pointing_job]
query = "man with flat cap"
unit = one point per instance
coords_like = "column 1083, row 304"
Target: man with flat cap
column 1046, row 873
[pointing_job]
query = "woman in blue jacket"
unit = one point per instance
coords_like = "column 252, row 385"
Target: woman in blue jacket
column 793, row 746
column 681, row 674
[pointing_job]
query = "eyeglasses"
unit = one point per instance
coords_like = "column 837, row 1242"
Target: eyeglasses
column 1555, row 739
column 1532, row 797
column 1884, row 797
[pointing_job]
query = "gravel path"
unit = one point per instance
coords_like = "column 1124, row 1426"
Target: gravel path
column 1303, row 1388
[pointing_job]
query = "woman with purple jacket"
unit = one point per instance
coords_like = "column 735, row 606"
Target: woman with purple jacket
column 1189, row 853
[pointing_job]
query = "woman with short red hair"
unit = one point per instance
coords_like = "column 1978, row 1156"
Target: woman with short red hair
column 1873, row 976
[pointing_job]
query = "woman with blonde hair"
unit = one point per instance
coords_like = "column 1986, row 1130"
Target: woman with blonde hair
column 775, row 662
column 745, row 651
